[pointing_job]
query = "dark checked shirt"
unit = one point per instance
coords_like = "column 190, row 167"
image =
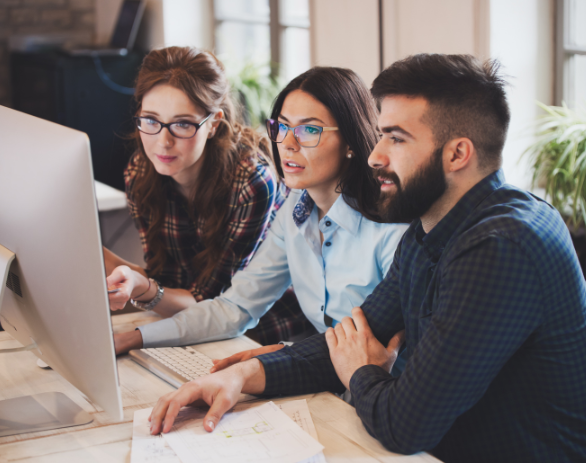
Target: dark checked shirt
column 493, row 303
column 255, row 199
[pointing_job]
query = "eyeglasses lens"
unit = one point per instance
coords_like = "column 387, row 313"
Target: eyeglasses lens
column 306, row 135
column 276, row 131
column 149, row 126
column 183, row 130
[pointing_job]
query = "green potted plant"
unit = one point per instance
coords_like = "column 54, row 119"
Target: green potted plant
column 256, row 89
column 558, row 160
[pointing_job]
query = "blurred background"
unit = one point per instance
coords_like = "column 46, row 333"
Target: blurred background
column 265, row 43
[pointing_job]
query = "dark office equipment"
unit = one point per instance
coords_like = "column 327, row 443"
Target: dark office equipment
column 127, row 25
column 124, row 35
column 70, row 91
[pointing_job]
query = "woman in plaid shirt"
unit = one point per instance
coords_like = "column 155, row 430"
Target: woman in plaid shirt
column 201, row 188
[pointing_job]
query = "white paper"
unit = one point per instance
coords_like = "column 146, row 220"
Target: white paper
column 260, row 433
column 298, row 411
column 147, row 448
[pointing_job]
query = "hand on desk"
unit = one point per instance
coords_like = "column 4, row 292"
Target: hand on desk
column 219, row 390
column 352, row 345
column 243, row 356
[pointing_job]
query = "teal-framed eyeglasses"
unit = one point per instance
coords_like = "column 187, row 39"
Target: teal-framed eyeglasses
column 307, row 135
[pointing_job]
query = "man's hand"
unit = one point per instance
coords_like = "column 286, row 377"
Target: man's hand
column 219, row 390
column 352, row 345
column 123, row 342
column 243, row 356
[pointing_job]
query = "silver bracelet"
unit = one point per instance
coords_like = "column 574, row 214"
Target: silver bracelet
column 150, row 305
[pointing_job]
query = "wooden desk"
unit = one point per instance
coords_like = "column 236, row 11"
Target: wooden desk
column 337, row 424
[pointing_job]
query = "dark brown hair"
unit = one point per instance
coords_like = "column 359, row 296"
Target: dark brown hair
column 466, row 99
column 346, row 96
column 202, row 78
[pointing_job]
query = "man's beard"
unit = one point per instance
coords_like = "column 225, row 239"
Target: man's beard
column 416, row 197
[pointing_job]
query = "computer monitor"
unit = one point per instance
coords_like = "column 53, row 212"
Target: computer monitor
column 53, row 291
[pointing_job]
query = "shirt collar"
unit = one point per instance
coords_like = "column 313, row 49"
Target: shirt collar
column 340, row 212
column 435, row 241
column 344, row 216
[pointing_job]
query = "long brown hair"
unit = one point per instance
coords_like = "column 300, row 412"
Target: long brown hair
column 202, row 78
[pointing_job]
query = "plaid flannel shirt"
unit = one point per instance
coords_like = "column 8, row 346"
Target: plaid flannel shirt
column 493, row 302
column 255, row 199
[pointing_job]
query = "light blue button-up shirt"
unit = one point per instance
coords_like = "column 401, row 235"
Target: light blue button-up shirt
column 329, row 278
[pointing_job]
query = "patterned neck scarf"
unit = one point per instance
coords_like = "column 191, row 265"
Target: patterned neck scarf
column 303, row 208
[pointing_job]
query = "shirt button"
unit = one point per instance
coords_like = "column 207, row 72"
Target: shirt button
column 328, row 243
column 328, row 223
column 322, row 308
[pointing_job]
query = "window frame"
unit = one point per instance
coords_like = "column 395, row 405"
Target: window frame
column 277, row 30
column 564, row 66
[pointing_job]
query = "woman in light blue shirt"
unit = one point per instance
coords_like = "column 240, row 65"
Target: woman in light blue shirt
column 325, row 239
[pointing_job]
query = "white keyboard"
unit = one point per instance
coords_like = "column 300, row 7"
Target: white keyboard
column 176, row 365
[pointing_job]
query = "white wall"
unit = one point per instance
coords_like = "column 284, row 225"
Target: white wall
column 431, row 26
column 187, row 23
column 345, row 33
column 522, row 38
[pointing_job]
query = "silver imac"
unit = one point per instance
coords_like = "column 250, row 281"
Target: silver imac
column 53, row 295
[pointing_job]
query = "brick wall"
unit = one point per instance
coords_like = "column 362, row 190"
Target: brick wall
column 74, row 18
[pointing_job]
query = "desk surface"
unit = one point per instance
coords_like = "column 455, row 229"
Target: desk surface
column 338, row 427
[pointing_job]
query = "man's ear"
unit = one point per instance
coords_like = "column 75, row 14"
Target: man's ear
column 458, row 154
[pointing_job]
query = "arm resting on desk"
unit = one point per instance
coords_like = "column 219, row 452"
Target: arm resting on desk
column 253, row 292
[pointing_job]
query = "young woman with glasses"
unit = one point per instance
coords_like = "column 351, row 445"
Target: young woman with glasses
column 201, row 187
column 325, row 240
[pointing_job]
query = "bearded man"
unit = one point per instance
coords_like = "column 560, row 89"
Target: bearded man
column 485, row 284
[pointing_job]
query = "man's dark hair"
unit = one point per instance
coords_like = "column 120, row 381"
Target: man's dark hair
column 466, row 99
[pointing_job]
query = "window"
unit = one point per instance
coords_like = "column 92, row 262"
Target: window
column 571, row 53
column 262, row 32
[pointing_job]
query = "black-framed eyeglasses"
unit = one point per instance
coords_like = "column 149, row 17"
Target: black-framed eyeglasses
column 306, row 135
column 179, row 129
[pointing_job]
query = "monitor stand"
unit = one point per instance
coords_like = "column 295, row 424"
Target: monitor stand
column 39, row 412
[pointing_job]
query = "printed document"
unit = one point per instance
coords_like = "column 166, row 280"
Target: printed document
column 262, row 434
column 147, row 448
